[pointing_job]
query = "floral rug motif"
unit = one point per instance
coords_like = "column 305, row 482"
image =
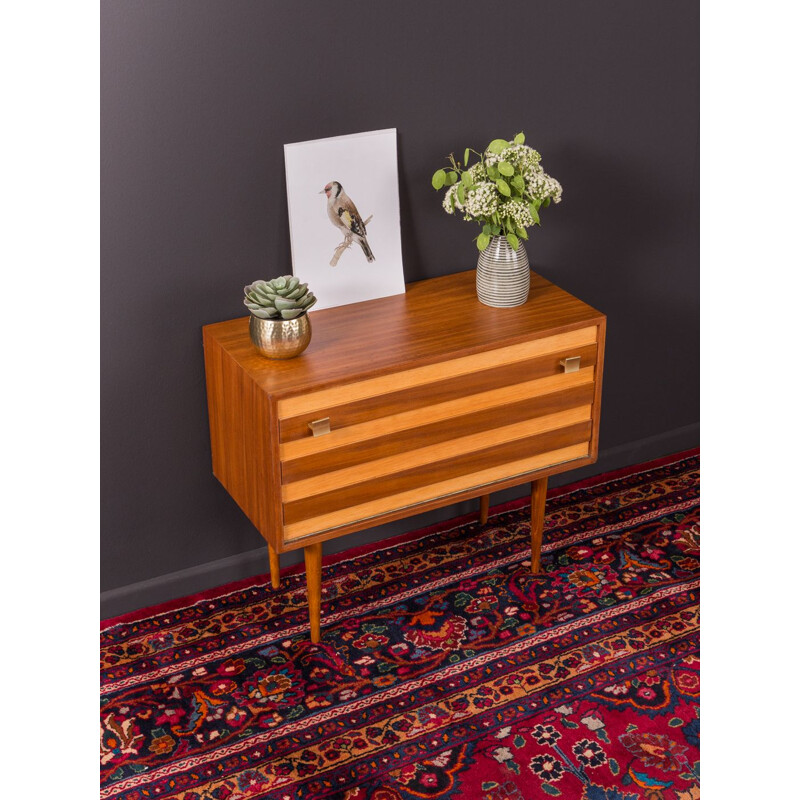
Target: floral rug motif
column 446, row 670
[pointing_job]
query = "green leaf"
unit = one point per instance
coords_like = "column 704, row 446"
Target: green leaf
column 460, row 192
column 534, row 214
column 466, row 157
column 496, row 229
column 518, row 181
column 546, row 202
column 466, row 179
column 452, row 177
column 519, row 138
column 487, row 229
column 502, row 187
column 497, row 146
column 550, row 789
column 513, row 241
column 483, row 241
column 522, row 233
column 493, row 172
column 438, row 179
column 505, row 169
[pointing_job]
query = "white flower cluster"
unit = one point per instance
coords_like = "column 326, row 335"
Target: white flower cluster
column 478, row 173
column 519, row 212
column 519, row 156
column 451, row 199
column 482, row 201
column 541, row 186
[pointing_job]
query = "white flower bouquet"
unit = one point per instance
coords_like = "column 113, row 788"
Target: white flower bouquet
column 503, row 192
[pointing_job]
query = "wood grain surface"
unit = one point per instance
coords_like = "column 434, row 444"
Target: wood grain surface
column 407, row 420
column 439, row 391
column 433, row 431
column 442, row 493
column 460, row 466
column 405, row 380
column 434, row 320
column 411, row 458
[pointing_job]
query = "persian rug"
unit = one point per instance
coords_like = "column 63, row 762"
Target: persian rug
column 446, row 670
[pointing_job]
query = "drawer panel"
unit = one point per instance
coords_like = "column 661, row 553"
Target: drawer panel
column 312, row 506
column 326, row 520
column 440, row 391
column 325, row 399
column 382, row 426
column 423, row 456
column 435, row 430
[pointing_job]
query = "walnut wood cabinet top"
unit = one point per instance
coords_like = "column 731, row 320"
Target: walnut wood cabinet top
column 435, row 319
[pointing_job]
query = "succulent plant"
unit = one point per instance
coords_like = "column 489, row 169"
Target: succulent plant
column 280, row 298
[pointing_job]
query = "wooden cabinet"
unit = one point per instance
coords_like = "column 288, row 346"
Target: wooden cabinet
column 400, row 405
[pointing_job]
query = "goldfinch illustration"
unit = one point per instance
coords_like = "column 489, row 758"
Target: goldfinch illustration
column 343, row 213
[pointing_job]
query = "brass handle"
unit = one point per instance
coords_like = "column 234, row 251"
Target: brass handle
column 319, row 427
column 571, row 364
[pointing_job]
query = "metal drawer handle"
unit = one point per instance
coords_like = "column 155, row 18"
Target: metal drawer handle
column 319, row 427
column 571, row 364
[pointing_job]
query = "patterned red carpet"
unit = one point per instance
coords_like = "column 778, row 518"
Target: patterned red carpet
column 447, row 670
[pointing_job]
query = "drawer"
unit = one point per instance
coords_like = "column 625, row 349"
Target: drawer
column 408, row 437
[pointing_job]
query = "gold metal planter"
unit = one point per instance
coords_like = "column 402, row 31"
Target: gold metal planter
column 280, row 338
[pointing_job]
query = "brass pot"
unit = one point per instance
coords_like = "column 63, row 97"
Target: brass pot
column 280, row 338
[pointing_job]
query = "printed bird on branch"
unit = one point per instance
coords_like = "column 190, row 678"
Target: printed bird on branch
column 343, row 213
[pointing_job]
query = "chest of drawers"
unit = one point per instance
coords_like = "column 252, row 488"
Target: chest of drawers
column 401, row 405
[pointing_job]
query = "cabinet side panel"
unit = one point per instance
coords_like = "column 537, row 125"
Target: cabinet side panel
column 271, row 510
column 213, row 356
column 238, row 444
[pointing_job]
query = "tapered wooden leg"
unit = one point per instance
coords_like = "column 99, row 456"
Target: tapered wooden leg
column 274, row 567
column 538, row 495
column 314, row 583
column 484, row 509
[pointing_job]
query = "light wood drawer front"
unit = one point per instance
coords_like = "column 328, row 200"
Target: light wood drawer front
column 436, row 438
column 439, row 413
column 370, row 498
column 440, row 391
column 320, row 402
column 435, row 456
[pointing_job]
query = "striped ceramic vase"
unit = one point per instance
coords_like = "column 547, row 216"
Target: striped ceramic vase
column 503, row 276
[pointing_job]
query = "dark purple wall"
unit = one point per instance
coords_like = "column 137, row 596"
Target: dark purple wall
column 198, row 99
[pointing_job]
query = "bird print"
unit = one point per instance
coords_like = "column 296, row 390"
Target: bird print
column 343, row 213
